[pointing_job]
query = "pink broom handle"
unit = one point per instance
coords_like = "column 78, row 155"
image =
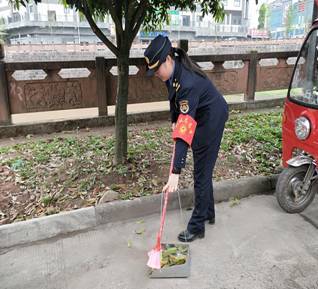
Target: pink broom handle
column 163, row 215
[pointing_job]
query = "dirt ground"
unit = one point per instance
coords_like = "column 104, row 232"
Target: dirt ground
column 20, row 201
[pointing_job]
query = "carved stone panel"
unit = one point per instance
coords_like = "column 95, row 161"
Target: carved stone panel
column 228, row 81
column 145, row 89
column 52, row 95
column 142, row 89
column 272, row 78
column 225, row 81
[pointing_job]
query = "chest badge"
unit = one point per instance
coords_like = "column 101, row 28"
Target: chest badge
column 184, row 106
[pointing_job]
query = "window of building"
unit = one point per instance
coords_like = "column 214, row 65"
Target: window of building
column 236, row 20
column 199, row 18
column 186, row 20
column 174, row 20
column 31, row 9
column 51, row 15
column 225, row 19
column 237, row 3
column 16, row 17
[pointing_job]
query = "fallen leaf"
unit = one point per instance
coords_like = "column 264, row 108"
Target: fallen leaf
column 129, row 243
column 140, row 231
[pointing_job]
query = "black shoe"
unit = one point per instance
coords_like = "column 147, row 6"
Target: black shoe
column 186, row 236
column 211, row 221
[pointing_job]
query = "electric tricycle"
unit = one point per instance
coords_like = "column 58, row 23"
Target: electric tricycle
column 298, row 182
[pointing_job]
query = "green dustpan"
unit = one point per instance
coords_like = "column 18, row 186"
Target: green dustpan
column 173, row 270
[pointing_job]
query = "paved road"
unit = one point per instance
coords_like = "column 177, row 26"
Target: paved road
column 254, row 245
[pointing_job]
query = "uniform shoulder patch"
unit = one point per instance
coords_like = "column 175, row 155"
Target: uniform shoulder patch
column 184, row 106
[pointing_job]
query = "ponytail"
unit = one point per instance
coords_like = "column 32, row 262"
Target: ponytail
column 187, row 62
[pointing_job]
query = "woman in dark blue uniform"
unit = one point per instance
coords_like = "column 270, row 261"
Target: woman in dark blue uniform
column 198, row 115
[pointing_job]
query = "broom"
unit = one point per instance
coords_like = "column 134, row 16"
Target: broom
column 155, row 254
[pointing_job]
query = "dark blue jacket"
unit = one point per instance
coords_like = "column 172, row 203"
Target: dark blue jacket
column 205, row 105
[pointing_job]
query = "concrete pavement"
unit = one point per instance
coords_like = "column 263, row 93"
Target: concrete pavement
column 43, row 228
column 34, row 117
column 66, row 120
column 253, row 245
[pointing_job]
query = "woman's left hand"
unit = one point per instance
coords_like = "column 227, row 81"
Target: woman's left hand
column 172, row 184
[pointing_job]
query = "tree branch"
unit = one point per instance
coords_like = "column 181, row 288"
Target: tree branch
column 138, row 11
column 127, row 20
column 96, row 30
column 131, row 10
column 141, row 18
column 118, row 13
column 112, row 7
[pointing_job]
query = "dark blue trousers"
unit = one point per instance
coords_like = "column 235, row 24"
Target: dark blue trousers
column 204, row 161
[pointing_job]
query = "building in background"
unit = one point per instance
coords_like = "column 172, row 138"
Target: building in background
column 50, row 22
column 290, row 18
column 46, row 23
column 258, row 20
column 192, row 26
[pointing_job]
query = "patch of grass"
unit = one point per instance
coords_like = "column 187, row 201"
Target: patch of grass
column 261, row 127
column 260, row 134
column 87, row 184
column 47, row 200
column 122, row 170
column 4, row 150
column 127, row 195
column 16, row 164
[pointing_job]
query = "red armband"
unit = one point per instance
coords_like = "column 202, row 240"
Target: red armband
column 185, row 128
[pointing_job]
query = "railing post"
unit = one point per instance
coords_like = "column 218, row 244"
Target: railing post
column 249, row 94
column 101, row 86
column 184, row 44
column 5, row 115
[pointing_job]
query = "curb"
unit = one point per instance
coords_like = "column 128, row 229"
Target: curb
column 87, row 218
column 13, row 130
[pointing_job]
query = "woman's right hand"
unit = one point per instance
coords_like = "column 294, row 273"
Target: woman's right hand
column 172, row 184
column 173, row 126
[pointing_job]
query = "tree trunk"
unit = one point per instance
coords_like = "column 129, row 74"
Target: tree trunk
column 121, row 107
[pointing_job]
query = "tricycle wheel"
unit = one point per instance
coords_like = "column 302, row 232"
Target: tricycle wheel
column 288, row 190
